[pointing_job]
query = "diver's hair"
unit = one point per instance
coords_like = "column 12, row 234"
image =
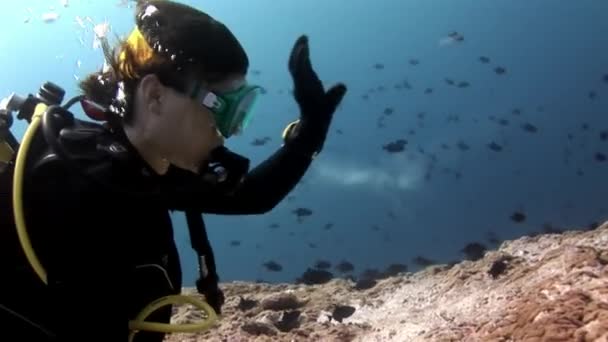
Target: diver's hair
column 186, row 43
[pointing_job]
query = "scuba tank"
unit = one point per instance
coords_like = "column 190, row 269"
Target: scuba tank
column 44, row 112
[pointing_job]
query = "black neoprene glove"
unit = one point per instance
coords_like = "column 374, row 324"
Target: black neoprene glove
column 317, row 106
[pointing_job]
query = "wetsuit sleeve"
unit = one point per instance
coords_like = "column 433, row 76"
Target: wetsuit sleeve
column 262, row 189
column 82, row 255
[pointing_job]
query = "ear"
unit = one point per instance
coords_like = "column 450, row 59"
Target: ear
column 151, row 93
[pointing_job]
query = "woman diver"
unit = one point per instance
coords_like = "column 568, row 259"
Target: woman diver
column 168, row 96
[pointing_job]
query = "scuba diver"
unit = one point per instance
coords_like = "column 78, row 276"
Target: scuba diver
column 97, row 196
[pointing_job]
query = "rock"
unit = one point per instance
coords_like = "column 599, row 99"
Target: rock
column 246, row 304
column 550, row 287
column 342, row 311
column 281, row 301
column 364, row 284
column 259, row 328
column 289, row 320
column 499, row 266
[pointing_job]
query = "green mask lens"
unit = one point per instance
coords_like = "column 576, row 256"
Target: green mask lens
column 232, row 110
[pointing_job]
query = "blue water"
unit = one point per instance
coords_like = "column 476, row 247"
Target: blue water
column 554, row 53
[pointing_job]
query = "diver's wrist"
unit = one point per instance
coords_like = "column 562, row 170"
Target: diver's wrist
column 304, row 138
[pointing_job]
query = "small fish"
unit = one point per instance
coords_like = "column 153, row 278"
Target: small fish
column 456, row 36
column 495, row 147
column 388, row 111
column 302, row 212
column 322, row 264
column 500, row 70
column 463, row 146
column 312, row 277
column 371, row 273
column 484, row 59
column 273, row 266
column 260, row 141
column 453, row 118
column 528, row 127
column 428, row 90
column 464, row 84
column 235, row 243
column 414, row 61
column 395, row 146
column 449, row 81
column 600, row 157
column 474, row 250
column 394, row 269
column 345, row 267
column 518, row 217
column 378, row 66
column 548, row 228
column 592, row 95
column 422, row 261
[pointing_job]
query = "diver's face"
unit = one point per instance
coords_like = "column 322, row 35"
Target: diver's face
column 193, row 131
column 183, row 130
column 198, row 134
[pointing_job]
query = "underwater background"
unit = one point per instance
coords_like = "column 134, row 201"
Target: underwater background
column 465, row 123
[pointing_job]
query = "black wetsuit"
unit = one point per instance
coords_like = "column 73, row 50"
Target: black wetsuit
column 109, row 250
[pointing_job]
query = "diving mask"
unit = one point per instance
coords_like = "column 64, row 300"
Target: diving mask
column 232, row 110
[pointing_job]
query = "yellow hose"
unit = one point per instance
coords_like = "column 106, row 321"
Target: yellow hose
column 24, row 238
column 138, row 323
